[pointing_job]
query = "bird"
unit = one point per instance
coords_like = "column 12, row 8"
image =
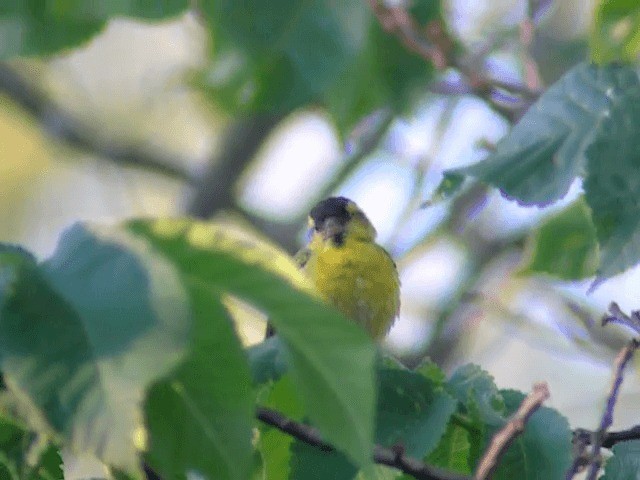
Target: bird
column 348, row 268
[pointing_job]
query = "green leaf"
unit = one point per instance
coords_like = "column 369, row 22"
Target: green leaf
column 453, row 451
column 41, row 27
column 412, row 411
column 625, row 463
column 543, row 450
column 274, row 445
column 200, row 418
column 83, row 335
column 447, row 188
column 616, row 31
column 611, row 186
column 311, row 463
column 471, row 385
column 331, row 358
column 481, row 402
column 290, row 52
column 24, row 456
column 542, row 155
column 564, row 245
column 267, row 360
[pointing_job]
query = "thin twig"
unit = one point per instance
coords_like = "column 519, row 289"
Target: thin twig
column 616, row 315
column 621, row 361
column 507, row 434
column 433, row 43
column 62, row 126
column 385, row 456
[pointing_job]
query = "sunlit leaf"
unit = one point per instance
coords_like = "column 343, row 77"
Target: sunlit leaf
column 331, row 358
column 616, row 31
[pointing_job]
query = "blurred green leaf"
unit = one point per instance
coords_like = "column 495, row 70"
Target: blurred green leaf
column 267, row 360
column 564, row 245
column 84, row 334
column 41, row 27
column 200, row 418
column 412, row 411
column 625, row 463
column 25, row 457
column 384, row 74
column 277, row 57
column 274, row 445
column 448, row 187
column 539, row 159
column 616, row 31
column 310, row 463
column 331, row 358
column 543, row 450
column 453, row 451
column 291, row 51
column 611, row 186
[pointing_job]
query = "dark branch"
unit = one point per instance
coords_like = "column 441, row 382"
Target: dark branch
column 620, row 363
column 600, row 438
column 63, row 127
column 507, row 434
column 384, row 456
column 616, row 315
column 433, row 43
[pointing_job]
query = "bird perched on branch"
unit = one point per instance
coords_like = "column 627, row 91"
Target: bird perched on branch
column 347, row 266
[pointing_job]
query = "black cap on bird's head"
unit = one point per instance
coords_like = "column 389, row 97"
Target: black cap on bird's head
column 334, row 215
column 332, row 207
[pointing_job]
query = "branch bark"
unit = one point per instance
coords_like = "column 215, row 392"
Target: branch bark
column 507, row 434
column 63, row 127
column 385, row 456
column 583, row 438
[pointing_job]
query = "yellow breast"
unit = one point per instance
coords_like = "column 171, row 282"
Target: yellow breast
column 360, row 279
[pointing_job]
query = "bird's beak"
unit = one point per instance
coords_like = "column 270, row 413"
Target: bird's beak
column 331, row 228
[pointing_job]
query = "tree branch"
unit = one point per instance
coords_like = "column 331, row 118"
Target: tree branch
column 62, row 126
column 433, row 43
column 507, row 434
column 620, row 363
column 385, row 456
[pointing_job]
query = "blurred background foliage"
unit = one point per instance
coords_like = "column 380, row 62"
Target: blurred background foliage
column 163, row 108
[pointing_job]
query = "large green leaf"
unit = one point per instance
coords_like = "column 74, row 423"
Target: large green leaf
column 412, row 411
column 616, row 31
column 200, row 418
column 542, row 155
column 84, row 334
column 331, row 358
column 40, row 27
column 625, row 463
column 565, row 245
column 543, row 450
column 384, row 74
column 611, row 186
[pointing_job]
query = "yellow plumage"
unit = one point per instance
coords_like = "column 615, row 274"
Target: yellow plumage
column 348, row 268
